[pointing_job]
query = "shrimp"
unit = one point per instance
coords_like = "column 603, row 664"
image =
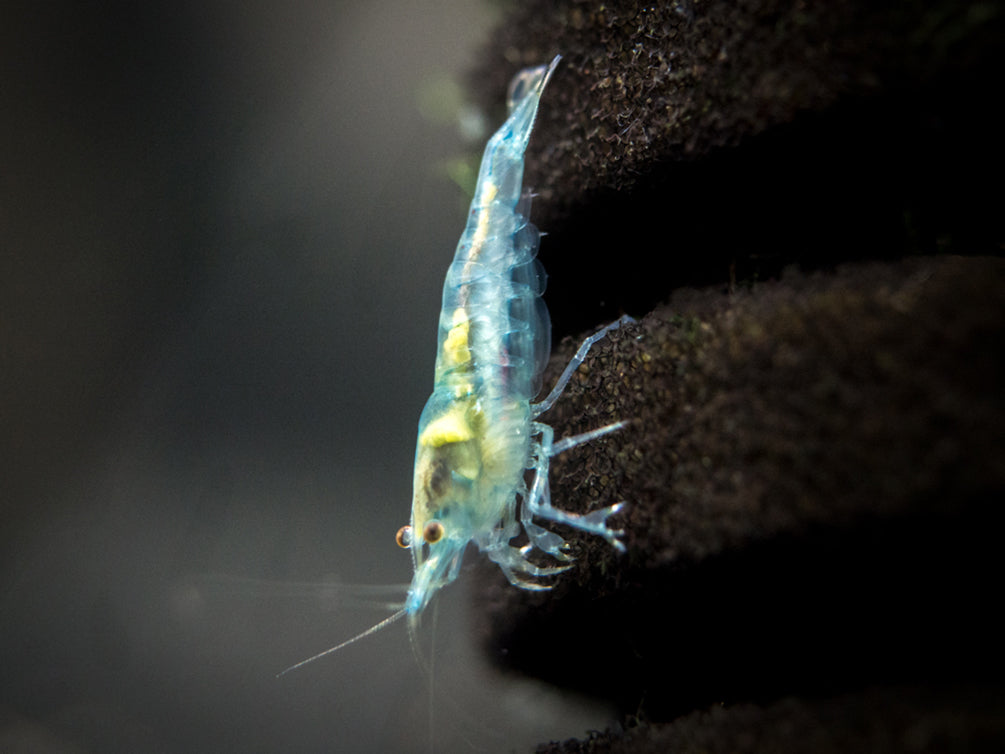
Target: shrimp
column 479, row 433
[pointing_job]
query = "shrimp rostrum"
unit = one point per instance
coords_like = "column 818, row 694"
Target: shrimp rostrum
column 479, row 435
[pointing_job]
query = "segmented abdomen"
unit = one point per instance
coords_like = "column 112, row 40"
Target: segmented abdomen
column 495, row 332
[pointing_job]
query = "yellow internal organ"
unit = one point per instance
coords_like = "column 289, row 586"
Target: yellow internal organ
column 455, row 345
column 451, row 427
column 489, row 192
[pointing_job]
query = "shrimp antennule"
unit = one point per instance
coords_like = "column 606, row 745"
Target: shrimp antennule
column 372, row 630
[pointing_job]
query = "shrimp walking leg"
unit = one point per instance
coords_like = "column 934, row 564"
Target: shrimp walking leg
column 538, row 500
column 514, row 564
column 537, row 409
column 543, row 539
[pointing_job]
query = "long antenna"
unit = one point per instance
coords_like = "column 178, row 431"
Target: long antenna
column 372, row 630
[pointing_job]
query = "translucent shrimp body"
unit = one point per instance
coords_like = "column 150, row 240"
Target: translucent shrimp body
column 477, row 434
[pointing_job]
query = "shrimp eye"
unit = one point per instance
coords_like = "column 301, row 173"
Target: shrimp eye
column 433, row 532
column 404, row 537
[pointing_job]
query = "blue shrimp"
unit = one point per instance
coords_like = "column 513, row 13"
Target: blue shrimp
column 478, row 433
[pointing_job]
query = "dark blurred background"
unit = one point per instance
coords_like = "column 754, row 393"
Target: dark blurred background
column 223, row 233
